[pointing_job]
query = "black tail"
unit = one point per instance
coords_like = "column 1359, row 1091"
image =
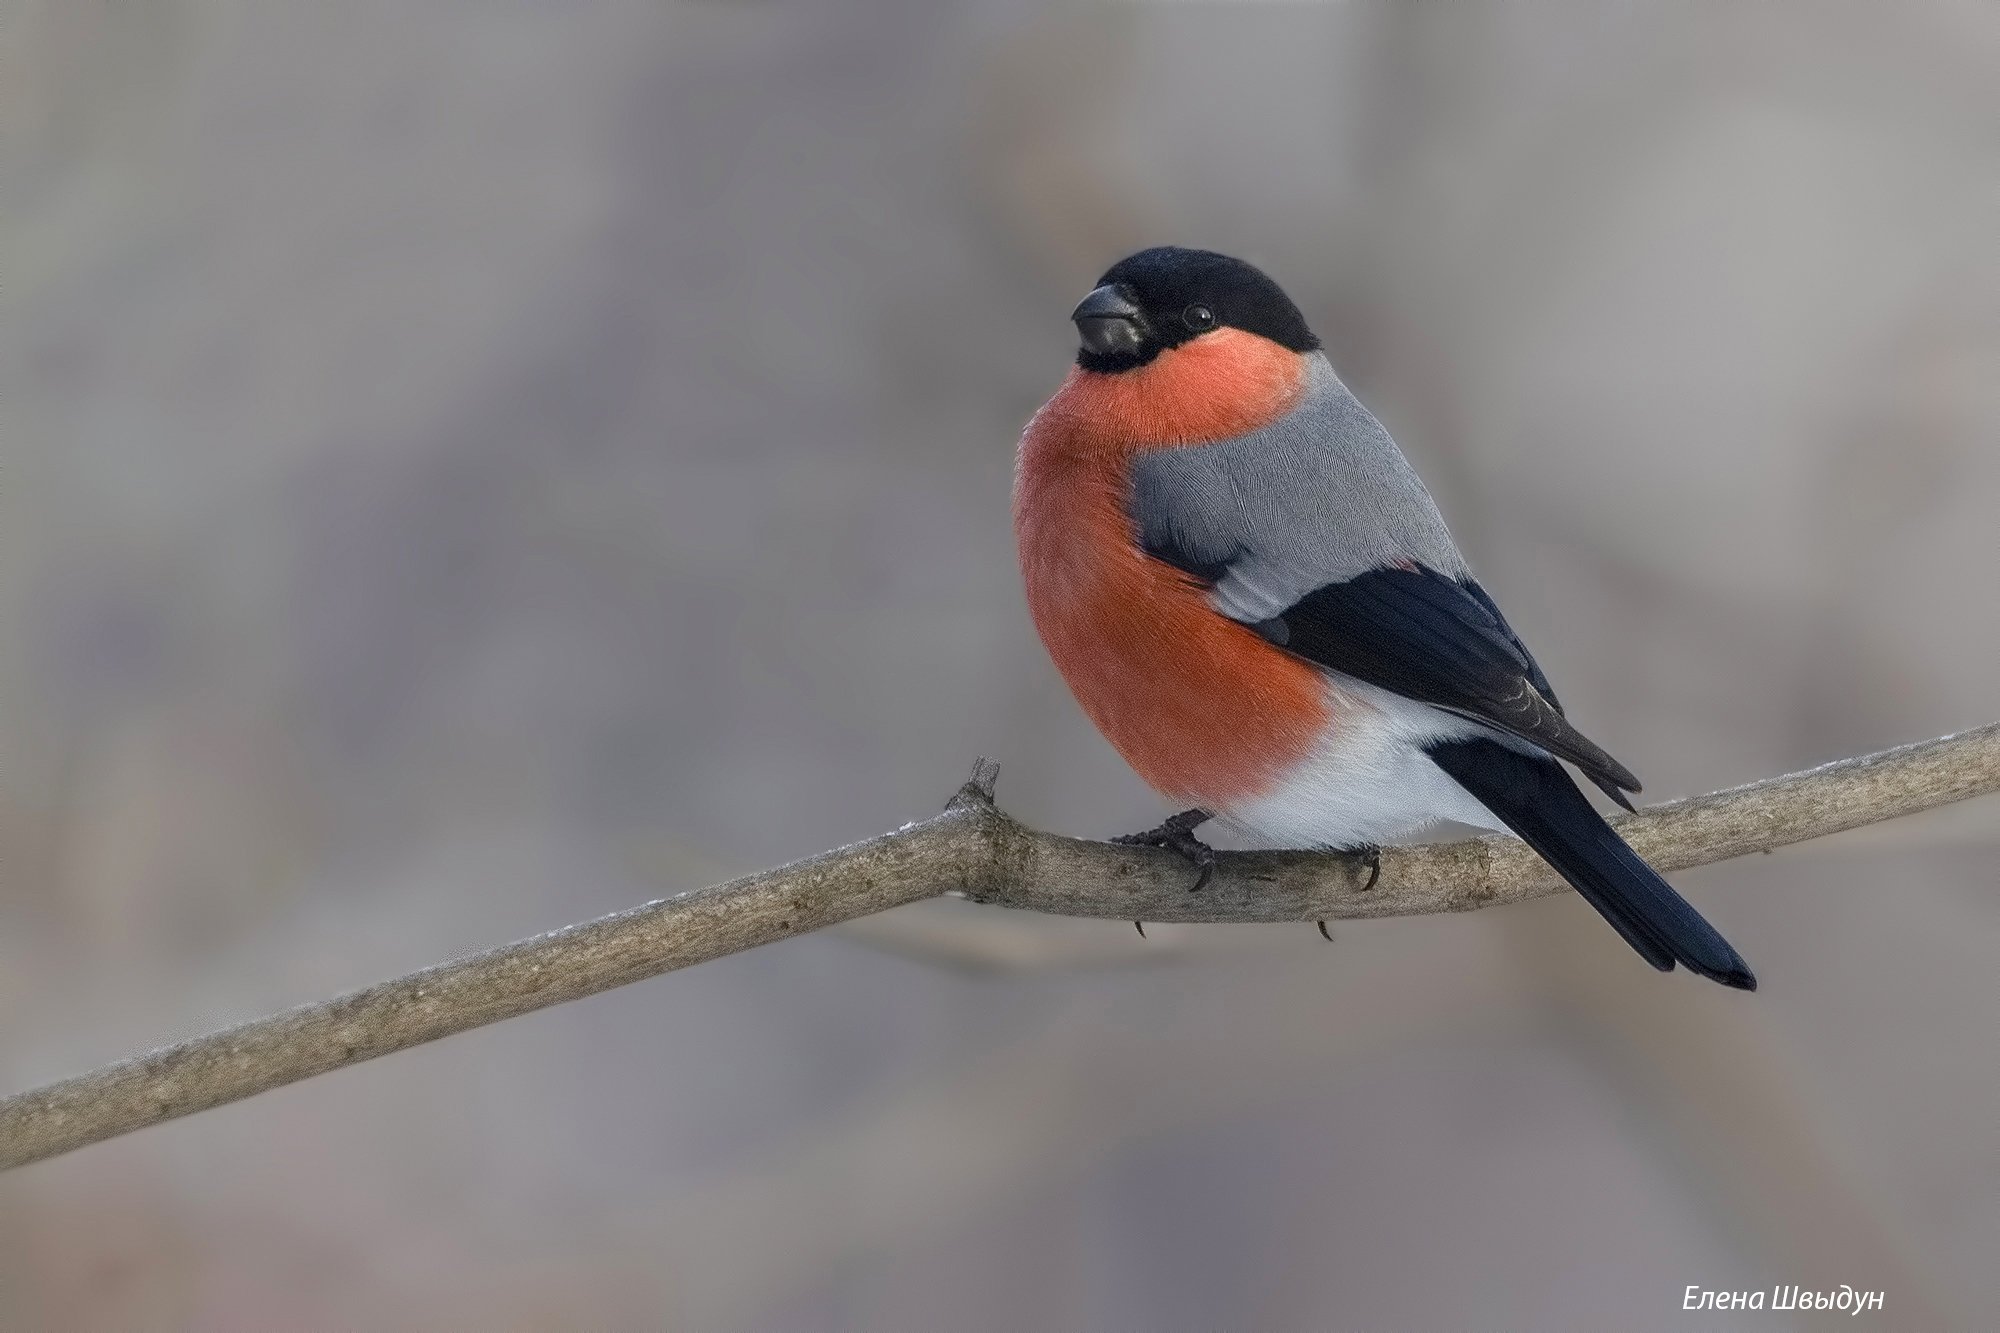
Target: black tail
column 1534, row 796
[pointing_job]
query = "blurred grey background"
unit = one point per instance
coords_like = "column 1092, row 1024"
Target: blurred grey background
column 471, row 467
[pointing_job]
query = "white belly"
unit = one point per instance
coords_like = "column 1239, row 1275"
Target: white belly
column 1369, row 782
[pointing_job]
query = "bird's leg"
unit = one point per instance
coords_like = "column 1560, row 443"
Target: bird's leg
column 1177, row 835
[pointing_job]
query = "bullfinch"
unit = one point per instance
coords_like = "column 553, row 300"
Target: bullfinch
column 1256, row 601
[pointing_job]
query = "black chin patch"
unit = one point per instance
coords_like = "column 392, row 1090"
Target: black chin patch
column 1110, row 363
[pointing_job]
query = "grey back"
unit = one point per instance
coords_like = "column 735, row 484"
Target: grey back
column 1316, row 497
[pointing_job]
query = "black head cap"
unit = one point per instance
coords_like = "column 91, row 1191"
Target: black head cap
column 1167, row 296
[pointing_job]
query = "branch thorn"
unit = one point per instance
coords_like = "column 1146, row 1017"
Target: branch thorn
column 978, row 789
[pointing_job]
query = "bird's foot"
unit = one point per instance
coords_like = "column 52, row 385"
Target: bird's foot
column 1177, row 835
column 1368, row 856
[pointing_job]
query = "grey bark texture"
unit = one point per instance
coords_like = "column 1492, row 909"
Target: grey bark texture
column 974, row 849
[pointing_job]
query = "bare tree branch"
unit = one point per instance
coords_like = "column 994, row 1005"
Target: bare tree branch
column 973, row 849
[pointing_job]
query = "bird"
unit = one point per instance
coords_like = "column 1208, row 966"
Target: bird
column 1254, row 598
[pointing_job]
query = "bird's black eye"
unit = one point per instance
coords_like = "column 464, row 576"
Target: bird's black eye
column 1199, row 318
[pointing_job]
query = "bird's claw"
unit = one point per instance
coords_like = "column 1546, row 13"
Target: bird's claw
column 1370, row 856
column 1177, row 835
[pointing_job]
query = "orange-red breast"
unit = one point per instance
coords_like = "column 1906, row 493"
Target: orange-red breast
column 1255, row 599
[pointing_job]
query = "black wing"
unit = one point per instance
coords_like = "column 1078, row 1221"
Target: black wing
column 1434, row 639
column 1438, row 640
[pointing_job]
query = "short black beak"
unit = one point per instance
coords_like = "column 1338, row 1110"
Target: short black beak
column 1108, row 322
